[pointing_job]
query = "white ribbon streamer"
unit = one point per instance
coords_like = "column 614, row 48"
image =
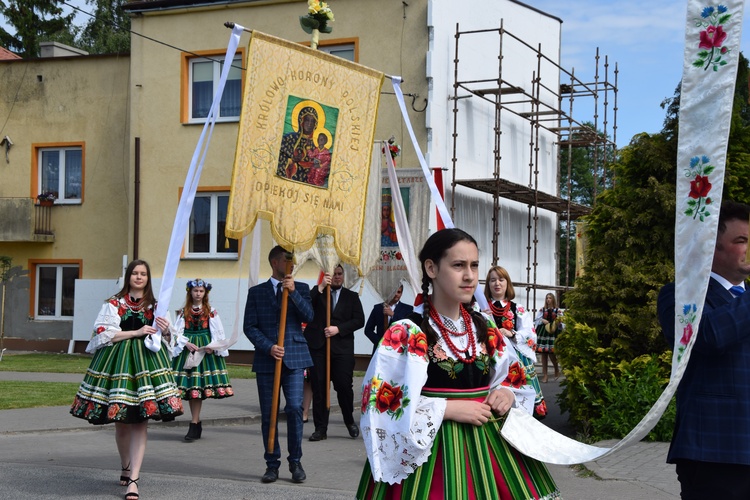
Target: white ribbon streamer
column 403, row 234
column 179, row 229
column 436, row 198
column 709, row 75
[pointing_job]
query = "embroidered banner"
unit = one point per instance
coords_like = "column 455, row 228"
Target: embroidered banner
column 712, row 39
column 304, row 146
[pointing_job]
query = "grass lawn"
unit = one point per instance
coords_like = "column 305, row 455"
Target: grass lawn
column 22, row 394
column 25, row 394
column 77, row 363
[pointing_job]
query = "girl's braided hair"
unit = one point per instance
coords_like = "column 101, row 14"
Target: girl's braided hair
column 434, row 249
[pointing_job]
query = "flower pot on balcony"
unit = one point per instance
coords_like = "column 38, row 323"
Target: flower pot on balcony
column 46, row 203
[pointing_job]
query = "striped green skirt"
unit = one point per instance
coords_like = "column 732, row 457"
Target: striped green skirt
column 209, row 379
column 128, row 383
column 468, row 462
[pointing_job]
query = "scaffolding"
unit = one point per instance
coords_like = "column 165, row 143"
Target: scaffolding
column 508, row 95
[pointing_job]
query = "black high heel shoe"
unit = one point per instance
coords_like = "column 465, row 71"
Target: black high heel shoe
column 123, row 478
column 132, row 495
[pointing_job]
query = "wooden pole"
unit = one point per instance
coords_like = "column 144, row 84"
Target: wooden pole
column 328, row 348
column 277, row 372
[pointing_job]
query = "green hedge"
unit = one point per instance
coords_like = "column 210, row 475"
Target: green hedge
column 607, row 396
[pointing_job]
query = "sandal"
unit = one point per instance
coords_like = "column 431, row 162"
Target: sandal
column 132, row 495
column 123, row 478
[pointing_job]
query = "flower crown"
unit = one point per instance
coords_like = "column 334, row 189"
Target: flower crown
column 198, row 282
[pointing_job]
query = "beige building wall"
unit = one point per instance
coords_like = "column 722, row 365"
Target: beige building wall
column 53, row 102
column 71, row 100
column 392, row 40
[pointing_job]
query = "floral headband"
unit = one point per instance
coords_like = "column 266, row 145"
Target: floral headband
column 198, row 282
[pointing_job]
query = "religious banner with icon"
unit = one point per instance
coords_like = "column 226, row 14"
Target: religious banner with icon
column 304, row 146
column 391, row 270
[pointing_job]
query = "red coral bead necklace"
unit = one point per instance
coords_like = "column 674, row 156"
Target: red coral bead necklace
column 467, row 355
column 133, row 304
column 499, row 311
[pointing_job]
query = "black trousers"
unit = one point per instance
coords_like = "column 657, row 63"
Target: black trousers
column 342, row 375
column 708, row 480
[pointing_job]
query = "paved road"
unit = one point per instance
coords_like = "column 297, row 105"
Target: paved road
column 45, row 453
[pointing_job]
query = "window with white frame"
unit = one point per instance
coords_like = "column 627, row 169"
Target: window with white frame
column 342, row 50
column 60, row 172
column 204, row 77
column 55, row 290
column 206, row 230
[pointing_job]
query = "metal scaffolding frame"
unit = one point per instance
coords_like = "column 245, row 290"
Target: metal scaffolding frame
column 508, row 96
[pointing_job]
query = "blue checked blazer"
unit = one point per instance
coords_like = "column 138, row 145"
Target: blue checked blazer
column 713, row 398
column 261, row 326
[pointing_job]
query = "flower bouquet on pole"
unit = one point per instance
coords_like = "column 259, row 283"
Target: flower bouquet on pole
column 316, row 20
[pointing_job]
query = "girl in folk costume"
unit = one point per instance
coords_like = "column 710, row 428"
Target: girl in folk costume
column 514, row 323
column 436, row 391
column 126, row 383
column 548, row 323
column 197, row 325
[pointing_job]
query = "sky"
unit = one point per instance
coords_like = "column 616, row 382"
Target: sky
column 646, row 39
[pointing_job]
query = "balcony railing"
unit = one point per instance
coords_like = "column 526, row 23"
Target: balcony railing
column 25, row 220
column 43, row 218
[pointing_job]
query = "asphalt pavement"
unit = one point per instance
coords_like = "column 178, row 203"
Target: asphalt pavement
column 46, row 453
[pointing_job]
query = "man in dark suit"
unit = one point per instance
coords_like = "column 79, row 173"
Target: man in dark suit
column 261, row 326
column 347, row 316
column 711, row 440
column 393, row 309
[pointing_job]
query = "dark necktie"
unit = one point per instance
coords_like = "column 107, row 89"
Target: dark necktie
column 737, row 290
column 278, row 292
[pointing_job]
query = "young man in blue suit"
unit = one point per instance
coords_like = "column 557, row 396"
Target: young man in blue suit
column 261, row 326
column 394, row 309
column 711, row 440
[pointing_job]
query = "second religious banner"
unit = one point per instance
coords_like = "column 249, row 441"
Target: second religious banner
column 304, row 146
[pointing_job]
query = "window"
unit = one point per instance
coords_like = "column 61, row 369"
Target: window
column 55, row 290
column 343, row 50
column 203, row 75
column 206, row 229
column 60, row 171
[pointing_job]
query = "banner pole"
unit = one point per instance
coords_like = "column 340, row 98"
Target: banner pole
column 328, row 348
column 277, row 372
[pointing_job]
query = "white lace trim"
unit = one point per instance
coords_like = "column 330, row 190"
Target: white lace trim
column 398, row 455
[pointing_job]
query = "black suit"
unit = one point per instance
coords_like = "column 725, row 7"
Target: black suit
column 348, row 316
column 375, row 327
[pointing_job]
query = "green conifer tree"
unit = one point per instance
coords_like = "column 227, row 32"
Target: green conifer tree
column 35, row 21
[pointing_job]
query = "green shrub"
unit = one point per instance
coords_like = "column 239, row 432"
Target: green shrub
column 605, row 394
column 629, row 393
